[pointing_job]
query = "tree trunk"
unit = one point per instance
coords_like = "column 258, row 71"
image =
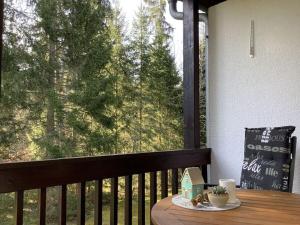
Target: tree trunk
column 50, row 123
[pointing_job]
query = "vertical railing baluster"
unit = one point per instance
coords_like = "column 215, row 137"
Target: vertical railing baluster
column 42, row 205
column 164, row 184
column 141, row 199
column 98, row 202
column 63, row 204
column 128, row 201
column 114, row 201
column 153, row 191
column 182, row 170
column 81, row 203
column 174, row 181
column 19, row 205
column 204, row 172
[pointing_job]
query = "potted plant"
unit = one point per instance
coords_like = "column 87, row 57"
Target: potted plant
column 218, row 196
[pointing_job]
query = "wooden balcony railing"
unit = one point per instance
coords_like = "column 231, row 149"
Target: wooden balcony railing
column 20, row 176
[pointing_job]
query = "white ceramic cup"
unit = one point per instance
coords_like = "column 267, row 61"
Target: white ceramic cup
column 229, row 184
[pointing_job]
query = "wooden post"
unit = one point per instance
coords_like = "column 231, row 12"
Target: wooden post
column 191, row 74
column 191, row 108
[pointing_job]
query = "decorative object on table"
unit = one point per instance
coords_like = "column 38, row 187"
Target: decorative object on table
column 180, row 201
column 230, row 186
column 267, row 158
column 200, row 198
column 192, row 183
column 218, row 196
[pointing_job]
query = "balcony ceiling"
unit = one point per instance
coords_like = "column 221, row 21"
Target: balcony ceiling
column 209, row 3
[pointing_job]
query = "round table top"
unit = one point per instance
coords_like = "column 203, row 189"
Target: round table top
column 257, row 207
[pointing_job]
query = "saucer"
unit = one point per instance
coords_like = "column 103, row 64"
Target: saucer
column 186, row 203
column 235, row 201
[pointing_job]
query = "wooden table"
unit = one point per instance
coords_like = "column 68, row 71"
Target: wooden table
column 258, row 207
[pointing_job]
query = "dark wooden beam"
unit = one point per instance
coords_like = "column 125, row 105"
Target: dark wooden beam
column 191, row 74
column 209, row 3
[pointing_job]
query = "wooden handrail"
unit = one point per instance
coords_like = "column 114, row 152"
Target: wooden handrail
column 21, row 176
column 37, row 174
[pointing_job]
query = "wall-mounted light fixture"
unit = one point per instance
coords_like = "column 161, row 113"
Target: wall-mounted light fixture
column 252, row 40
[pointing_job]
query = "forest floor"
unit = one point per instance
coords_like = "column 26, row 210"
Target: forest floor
column 31, row 215
column 31, row 212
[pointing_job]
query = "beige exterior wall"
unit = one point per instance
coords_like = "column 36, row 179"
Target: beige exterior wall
column 251, row 92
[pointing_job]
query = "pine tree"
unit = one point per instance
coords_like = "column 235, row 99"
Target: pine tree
column 87, row 52
column 158, row 123
column 59, row 60
column 165, row 82
column 15, row 102
column 119, row 68
column 141, row 132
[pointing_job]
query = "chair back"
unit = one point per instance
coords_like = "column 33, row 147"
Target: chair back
column 293, row 143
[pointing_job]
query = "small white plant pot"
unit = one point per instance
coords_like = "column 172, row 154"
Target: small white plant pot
column 218, row 200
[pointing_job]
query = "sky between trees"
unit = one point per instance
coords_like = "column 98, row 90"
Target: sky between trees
column 130, row 7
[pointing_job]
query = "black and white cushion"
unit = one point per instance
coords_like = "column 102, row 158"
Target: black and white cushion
column 267, row 158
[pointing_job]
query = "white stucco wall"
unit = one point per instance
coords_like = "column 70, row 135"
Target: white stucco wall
column 245, row 92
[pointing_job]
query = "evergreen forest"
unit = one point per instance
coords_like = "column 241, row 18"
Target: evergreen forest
column 77, row 82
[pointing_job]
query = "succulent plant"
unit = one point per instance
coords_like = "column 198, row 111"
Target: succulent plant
column 218, row 190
